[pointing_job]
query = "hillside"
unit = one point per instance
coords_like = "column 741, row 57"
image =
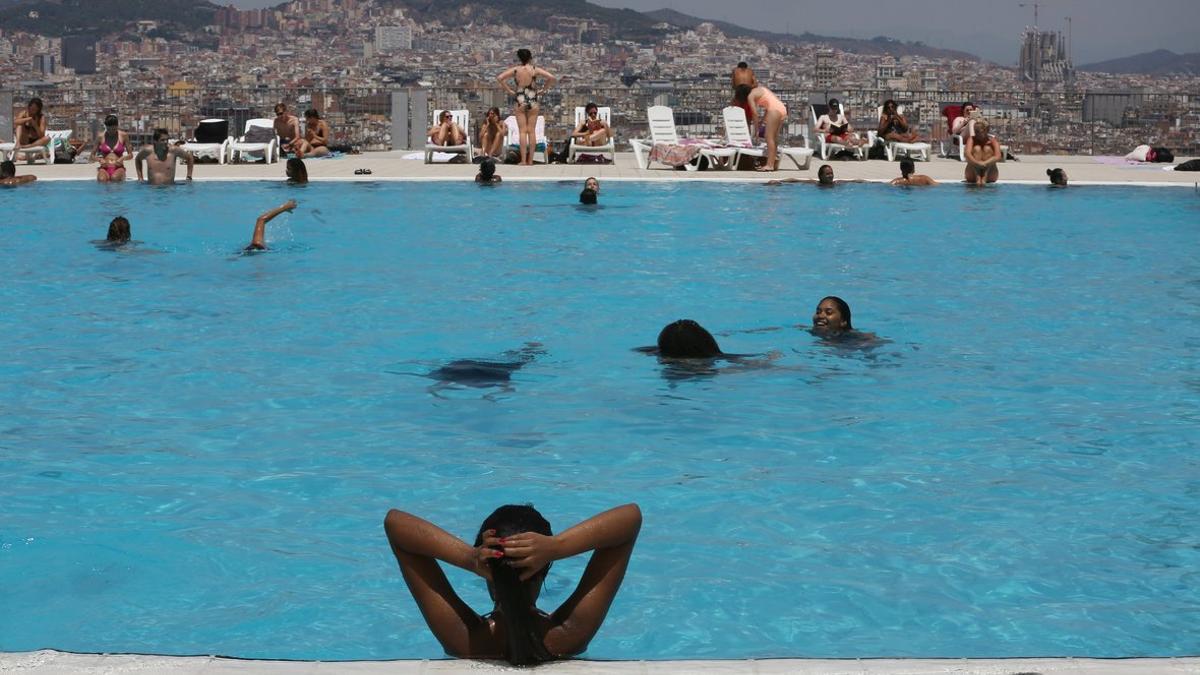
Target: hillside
column 878, row 45
column 1157, row 62
column 625, row 23
column 100, row 17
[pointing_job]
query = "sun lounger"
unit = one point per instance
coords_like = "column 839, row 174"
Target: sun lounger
column 662, row 132
column 737, row 131
column 218, row 150
column 268, row 149
column 892, row 149
column 48, row 151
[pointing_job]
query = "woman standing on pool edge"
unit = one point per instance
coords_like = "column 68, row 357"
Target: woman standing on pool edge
column 525, row 108
column 513, row 552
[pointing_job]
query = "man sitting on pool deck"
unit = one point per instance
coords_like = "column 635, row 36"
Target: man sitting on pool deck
column 160, row 160
column 258, row 240
column 9, row 177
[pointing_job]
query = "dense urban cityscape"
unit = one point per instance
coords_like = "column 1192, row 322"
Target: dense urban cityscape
column 350, row 58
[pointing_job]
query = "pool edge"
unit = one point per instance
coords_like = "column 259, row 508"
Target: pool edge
column 69, row 662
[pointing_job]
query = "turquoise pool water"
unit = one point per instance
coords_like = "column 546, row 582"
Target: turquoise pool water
column 197, row 448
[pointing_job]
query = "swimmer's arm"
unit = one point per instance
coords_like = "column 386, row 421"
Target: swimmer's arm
column 418, row 544
column 138, row 159
column 260, row 226
column 189, row 159
column 20, row 180
column 611, row 536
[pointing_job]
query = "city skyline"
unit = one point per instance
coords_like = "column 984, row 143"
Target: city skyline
column 991, row 29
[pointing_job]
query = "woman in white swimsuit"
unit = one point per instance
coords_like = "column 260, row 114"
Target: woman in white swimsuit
column 526, row 96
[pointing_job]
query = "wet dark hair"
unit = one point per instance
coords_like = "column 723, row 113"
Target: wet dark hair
column 686, row 339
column 7, row 169
column 907, row 167
column 843, row 309
column 513, row 596
column 1057, row 176
column 524, row 55
column 741, row 93
column 118, row 230
column 160, row 134
column 821, row 170
column 110, row 121
column 312, row 114
column 588, row 196
column 743, row 65
column 297, row 172
column 487, row 168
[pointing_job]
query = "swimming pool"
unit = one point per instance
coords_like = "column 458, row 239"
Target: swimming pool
column 198, row 448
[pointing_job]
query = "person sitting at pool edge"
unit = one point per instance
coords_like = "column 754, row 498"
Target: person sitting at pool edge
column 909, row 177
column 487, row 172
column 160, row 160
column 296, row 171
column 9, row 177
column 1058, row 177
column 982, row 153
column 513, row 552
column 257, row 241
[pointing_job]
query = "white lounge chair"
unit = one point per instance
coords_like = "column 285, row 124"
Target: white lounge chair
column 958, row 147
column 737, row 131
column 48, row 151
column 891, row 149
column 218, row 150
column 825, row 147
column 662, row 130
column 269, row 149
column 609, row 148
column 463, row 119
column 512, row 139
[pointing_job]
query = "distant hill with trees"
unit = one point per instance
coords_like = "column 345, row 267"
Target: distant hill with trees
column 56, row 18
column 1157, row 62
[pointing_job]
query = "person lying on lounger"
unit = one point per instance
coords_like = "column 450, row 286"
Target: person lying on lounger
column 513, row 552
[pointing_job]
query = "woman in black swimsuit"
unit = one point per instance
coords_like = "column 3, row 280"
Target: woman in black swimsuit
column 525, row 97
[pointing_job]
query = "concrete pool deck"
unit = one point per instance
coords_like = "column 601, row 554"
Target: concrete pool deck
column 388, row 166
column 47, row 661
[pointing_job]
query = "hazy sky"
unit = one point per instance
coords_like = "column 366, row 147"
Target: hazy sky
column 1101, row 29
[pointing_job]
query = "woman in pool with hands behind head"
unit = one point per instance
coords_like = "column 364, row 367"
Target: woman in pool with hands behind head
column 513, row 552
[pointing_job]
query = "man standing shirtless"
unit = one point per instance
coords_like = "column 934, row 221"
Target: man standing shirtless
column 160, row 158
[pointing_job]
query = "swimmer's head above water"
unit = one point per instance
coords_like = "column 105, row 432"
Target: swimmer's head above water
column 686, row 339
column 825, row 175
column 118, row 231
column 487, row 168
column 516, row 599
column 1058, row 177
column 7, row 169
column 832, row 316
column 296, row 171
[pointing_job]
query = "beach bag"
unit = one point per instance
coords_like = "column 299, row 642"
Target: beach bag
column 1190, row 165
column 64, row 152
